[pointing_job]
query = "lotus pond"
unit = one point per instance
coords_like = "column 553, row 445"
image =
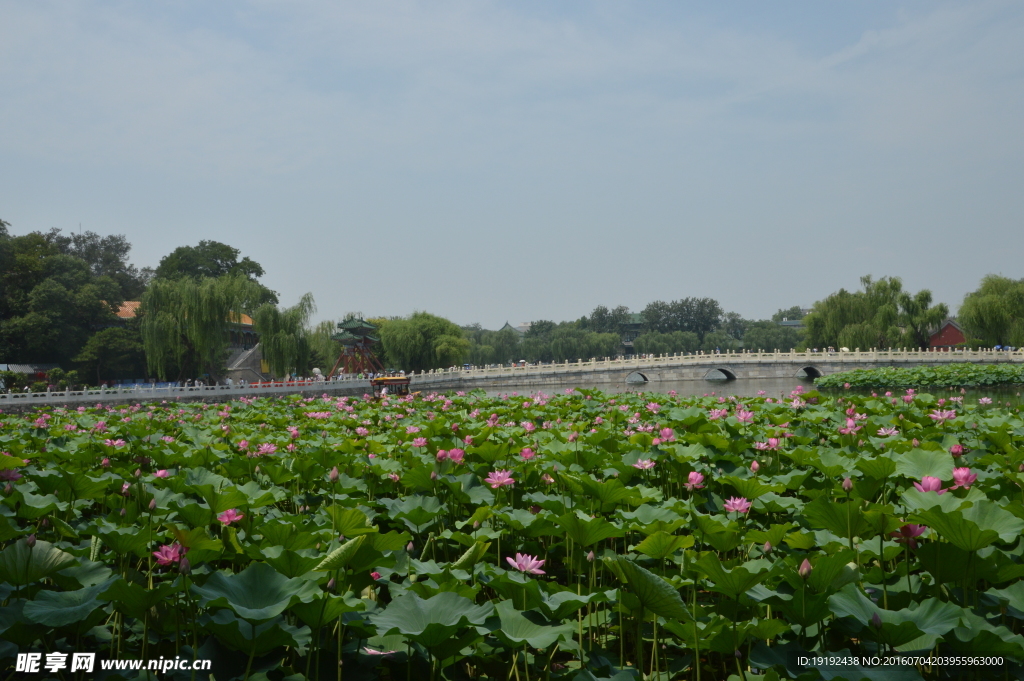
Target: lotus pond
column 577, row 536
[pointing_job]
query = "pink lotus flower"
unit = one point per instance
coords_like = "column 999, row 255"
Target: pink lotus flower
column 957, row 450
column 963, row 477
column 754, row 466
column 114, row 443
column 162, row 473
column 456, row 456
column 410, row 430
column 805, row 569
column 737, row 504
column 940, row 416
column 908, row 534
column 744, row 416
column 694, row 481
column 362, row 432
column 930, row 484
column 886, row 432
column 9, row 475
column 527, row 454
column 847, row 484
column 499, row 478
column 653, row 407
column 716, row 414
column 526, row 563
column 419, row 442
column 375, row 575
column 384, row 653
column 266, row 448
column 230, row 516
column 548, row 480
column 394, row 477
column 984, row 400
column 170, row 553
column 644, row 464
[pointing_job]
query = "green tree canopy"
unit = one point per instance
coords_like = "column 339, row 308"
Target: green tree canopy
column 421, row 342
column 696, row 315
column 208, row 259
column 285, row 340
column 994, row 314
column 882, row 315
column 106, row 256
column 791, row 314
column 768, row 336
column 186, row 322
column 655, row 343
column 113, row 353
column 50, row 301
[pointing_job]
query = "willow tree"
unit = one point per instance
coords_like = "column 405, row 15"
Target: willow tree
column 422, row 341
column 186, row 322
column 994, row 314
column 285, row 339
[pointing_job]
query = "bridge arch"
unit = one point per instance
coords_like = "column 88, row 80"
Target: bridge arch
column 810, row 372
column 636, row 377
column 720, row 374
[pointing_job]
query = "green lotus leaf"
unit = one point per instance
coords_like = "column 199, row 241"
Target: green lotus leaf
column 661, row 545
column 977, row 636
column 135, row 600
column 259, row 592
column 350, row 522
column 841, row 518
column 326, row 608
column 61, row 608
column 879, row 468
column 195, row 514
column 918, row 463
column 258, row 639
column 654, row 593
column 472, row 556
column 899, row 627
column 292, row 563
column 257, row 497
column 562, row 604
column 973, row 528
column 432, row 621
column 736, row 581
column 749, row 488
column 21, row 564
column 712, row 531
column 37, row 505
column 518, row 628
column 585, row 530
column 340, row 557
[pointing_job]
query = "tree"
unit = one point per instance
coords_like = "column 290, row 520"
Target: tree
column 603, row 320
column 113, row 353
column 696, row 315
column 284, row 336
column 882, row 315
column 422, row 341
column 792, row 314
column 994, row 314
column 210, row 259
column 655, row 343
column 186, row 321
column 735, row 325
column 768, row 336
column 106, row 256
column 50, row 301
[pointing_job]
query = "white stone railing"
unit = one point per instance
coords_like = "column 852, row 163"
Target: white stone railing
column 149, row 393
column 727, row 358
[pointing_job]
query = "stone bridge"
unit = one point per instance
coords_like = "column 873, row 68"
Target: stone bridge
column 679, row 367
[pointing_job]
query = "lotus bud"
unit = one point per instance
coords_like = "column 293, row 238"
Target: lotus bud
column 184, row 567
column 847, row 484
column 105, row 463
column 138, row 472
column 433, row 475
column 805, row 569
column 333, row 475
column 44, row 523
column 738, row 654
column 124, row 512
column 476, row 523
column 152, row 504
column 30, row 540
column 917, row 443
column 590, row 557
column 767, row 548
column 331, row 584
column 754, row 466
column 409, row 547
column 256, row 470
column 876, row 621
column 375, row 575
column 8, row 488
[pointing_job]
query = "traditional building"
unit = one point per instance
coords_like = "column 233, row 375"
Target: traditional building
column 949, row 335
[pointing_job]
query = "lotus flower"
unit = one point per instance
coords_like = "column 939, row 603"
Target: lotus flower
column 737, row 505
column 886, row 432
column 527, row 454
column 908, row 533
column 694, row 481
column 230, row 516
column 847, row 484
column 419, row 442
column 170, row 553
column 957, row 450
column 644, row 464
column 527, row 563
column 716, row 414
column 499, row 479
column 456, row 456
column 963, row 477
column 929, row 484
column 805, row 569
column 754, row 466
column 162, row 473
column 744, row 416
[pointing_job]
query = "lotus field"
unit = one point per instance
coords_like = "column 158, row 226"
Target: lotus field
column 577, row 536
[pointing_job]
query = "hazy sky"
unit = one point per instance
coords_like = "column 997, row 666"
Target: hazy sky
column 525, row 160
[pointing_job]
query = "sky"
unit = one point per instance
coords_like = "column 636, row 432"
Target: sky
column 493, row 162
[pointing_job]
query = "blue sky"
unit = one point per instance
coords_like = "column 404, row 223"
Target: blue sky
column 515, row 161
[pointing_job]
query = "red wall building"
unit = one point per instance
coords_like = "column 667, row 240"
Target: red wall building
column 948, row 336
